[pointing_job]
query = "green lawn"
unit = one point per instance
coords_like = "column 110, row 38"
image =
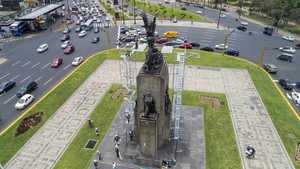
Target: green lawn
column 217, row 143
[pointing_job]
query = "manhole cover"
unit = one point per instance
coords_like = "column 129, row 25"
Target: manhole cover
column 91, row 144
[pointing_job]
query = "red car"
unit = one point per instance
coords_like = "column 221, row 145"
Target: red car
column 69, row 49
column 56, row 62
column 161, row 40
column 186, row 45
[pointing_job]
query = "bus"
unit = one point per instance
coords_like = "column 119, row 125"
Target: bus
column 89, row 24
column 18, row 28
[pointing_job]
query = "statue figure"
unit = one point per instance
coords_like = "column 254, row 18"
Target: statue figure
column 150, row 28
column 149, row 106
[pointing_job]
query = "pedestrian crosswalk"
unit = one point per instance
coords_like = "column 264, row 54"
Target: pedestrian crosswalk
column 103, row 25
column 236, row 30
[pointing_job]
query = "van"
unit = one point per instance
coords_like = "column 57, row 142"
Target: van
column 171, row 34
column 26, row 88
column 285, row 57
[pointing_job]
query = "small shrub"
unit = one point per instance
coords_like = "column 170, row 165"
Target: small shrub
column 183, row 8
column 130, row 14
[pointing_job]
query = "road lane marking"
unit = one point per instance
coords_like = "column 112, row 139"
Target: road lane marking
column 212, row 36
column 35, row 65
column 26, row 64
column 15, row 63
column 25, row 78
column 14, row 77
column 206, row 37
column 67, row 66
column 48, row 80
column 38, row 79
column 4, row 76
column 46, row 65
column 205, row 41
column 9, row 99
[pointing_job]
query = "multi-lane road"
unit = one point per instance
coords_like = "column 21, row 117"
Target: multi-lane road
column 24, row 63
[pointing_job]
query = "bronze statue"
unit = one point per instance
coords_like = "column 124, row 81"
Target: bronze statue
column 149, row 107
column 150, row 28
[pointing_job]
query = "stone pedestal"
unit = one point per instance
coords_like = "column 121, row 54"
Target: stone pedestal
column 153, row 130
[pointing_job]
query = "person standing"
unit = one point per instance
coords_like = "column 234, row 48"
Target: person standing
column 95, row 163
column 114, row 165
column 97, row 131
column 117, row 139
column 117, row 150
column 99, row 155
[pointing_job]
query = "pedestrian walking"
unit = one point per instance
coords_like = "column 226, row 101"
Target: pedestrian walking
column 114, row 165
column 90, row 123
column 117, row 150
column 130, row 134
column 97, row 131
column 117, row 139
column 96, row 163
column 192, row 22
column 50, row 29
column 128, row 118
column 99, row 155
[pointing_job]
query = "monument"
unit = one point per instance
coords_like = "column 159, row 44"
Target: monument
column 153, row 107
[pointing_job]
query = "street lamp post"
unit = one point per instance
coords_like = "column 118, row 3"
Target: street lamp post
column 123, row 13
column 219, row 17
column 225, row 41
column 203, row 8
column 134, row 12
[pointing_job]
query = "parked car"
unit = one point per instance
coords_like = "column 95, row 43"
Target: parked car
column 96, row 30
column 285, row 57
column 242, row 28
column 175, row 20
column 66, row 31
column 198, row 12
column 106, row 25
column 287, row 49
column 244, row 23
column 287, row 84
column 156, row 34
column 223, row 16
column 42, row 48
column 65, row 44
column 78, row 29
column 207, row 48
column 288, row 38
column 268, row 32
column 65, row 37
column 162, row 40
column 56, row 62
column 5, row 86
column 24, row 101
column 77, row 61
column 186, row 46
column 98, row 20
column 95, row 39
column 69, row 49
column 82, row 34
column 27, row 87
column 184, row 39
column 296, row 97
column 270, row 68
column 195, row 44
column 78, row 22
column 233, row 52
column 220, row 46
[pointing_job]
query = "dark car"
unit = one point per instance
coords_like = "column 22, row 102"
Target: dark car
column 66, row 31
column 207, row 48
column 285, row 57
column 128, row 39
column 270, row 68
column 78, row 29
column 69, row 49
column 242, row 28
column 26, row 88
column 297, row 45
column 65, row 37
column 184, row 39
column 5, row 86
column 96, row 30
column 287, row 84
column 233, row 52
column 268, row 30
column 126, row 5
column 170, row 43
column 95, row 40
column 162, row 40
column 195, row 44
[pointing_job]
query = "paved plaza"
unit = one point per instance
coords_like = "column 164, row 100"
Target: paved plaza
column 251, row 122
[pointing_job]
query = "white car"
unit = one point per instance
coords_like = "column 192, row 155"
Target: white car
column 287, row 49
column 130, row 44
column 24, row 101
column 65, row 44
column 223, row 16
column 244, row 23
column 106, row 19
column 98, row 20
column 77, row 61
column 42, row 48
column 221, row 46
column 288, row 38
column 198, row 12
column 82, row 34
column 296, row 97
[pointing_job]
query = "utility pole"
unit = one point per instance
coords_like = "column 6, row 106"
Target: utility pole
column 134, row 12
column 219, row 17
column 123, row 13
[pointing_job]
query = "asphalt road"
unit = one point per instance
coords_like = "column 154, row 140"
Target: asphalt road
column 24, row 63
